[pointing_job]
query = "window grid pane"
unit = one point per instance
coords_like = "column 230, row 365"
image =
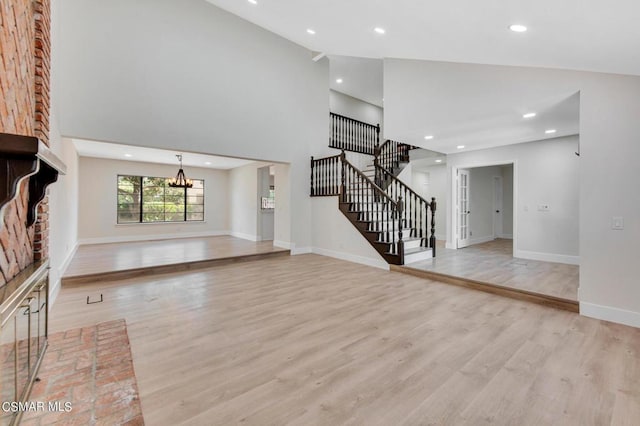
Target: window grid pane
column 145, row 199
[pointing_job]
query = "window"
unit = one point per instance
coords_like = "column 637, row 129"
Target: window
column 143, row 199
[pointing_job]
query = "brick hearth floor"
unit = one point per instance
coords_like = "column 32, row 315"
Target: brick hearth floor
column 92, row 368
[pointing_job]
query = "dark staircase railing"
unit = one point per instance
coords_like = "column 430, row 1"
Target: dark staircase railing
column 325, row 176
column 353, row 135
column 416, row 210
column 393, row 156
column 369, row 208
column 395, row 220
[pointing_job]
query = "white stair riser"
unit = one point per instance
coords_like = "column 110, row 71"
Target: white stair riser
column 412, row 244
column 416, row 257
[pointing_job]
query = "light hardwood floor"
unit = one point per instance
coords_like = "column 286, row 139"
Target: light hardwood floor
column 309, row 340
column 493, row 262
column 99, row 258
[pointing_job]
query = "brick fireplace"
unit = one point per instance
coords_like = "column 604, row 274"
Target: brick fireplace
column 24, row 109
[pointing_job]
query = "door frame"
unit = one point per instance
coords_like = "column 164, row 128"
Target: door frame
column 459, row 242
column 498, row 207
column 453, row 242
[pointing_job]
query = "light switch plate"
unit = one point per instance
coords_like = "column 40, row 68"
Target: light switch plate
column 617, row 223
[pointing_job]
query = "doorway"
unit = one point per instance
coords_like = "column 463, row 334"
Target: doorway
column 266, row 203
column 484, row 202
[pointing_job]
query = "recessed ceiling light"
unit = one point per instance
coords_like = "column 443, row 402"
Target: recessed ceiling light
column 428, row 137
column 310, row 31
column 529, row 115
column 460, row 147
column 339, row 80
column 550, row 131
column 517, row 28
column 208, row 163
column 253, row 1
column 128, row 155
column 379, row 30
column 438, row 161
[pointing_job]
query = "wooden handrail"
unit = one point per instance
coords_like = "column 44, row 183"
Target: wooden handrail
column 353, row 119
column 353, row 135
column 414, row 207
column 386, row 171
column 375, row 187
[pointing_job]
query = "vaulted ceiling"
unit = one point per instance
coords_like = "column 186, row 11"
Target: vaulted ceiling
column 587, row 35
column 570, row 34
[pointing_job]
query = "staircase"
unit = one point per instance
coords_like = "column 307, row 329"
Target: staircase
column 392, row 217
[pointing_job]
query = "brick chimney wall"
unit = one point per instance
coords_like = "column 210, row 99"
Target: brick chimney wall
column 25, row 49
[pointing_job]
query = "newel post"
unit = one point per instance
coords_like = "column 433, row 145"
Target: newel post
column 400, row 209
column 432, row 238
column 343, row 191
column 311, row 192
column 377, row 135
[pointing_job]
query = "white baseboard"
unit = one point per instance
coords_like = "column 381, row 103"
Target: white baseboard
column 299, row 250
column 480, row 240
column 607, row 313
column 506, row 236
column 352, row 258
column 54, row 290
column 131, row 238
column 547, row 257
column 244, row 236
column 63, row 268
column 282, row 244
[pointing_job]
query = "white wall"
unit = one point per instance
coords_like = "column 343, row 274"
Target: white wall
column 191, row 77
column 97, row 219
column 63, row 195
column 430, row 182
column 335, row 236
column 63, row 213
column 243, row 202
column 609, row 130
column 546, row 172
column 358, row 109
column 282, row 212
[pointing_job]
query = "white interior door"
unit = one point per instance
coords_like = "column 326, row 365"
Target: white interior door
column 497, row 206
column 462, row 211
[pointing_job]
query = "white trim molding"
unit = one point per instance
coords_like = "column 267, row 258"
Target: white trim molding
column 131, row 238
column 244, row 236
column 607, row 313
column 480, row 240
column 506, row 236
column 547, row 257
column 54, row 289
column 352, row 258
column 300, row 250
column 282, row 244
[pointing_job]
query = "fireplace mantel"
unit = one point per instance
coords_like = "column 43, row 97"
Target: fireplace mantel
column 22, row 157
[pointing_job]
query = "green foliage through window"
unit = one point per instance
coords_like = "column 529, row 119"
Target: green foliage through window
column 143, row 199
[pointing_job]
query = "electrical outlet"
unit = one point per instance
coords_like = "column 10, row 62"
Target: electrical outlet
column 617, row 223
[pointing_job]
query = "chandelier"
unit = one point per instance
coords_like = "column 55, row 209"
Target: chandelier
column 180, row 181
